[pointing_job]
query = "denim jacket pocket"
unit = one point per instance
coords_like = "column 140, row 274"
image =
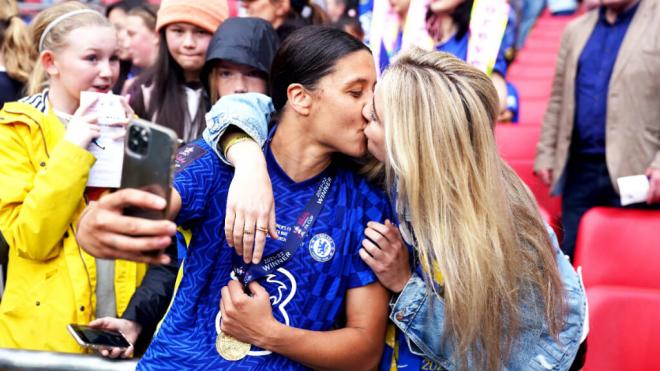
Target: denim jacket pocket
column 420, row 315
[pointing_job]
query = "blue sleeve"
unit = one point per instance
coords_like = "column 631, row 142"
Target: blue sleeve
column 375, row 207
column 197, row 171
column 250, row 112
column 513, row 101
column 365, row 14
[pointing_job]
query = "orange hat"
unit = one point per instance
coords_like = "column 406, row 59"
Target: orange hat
column 207, row 14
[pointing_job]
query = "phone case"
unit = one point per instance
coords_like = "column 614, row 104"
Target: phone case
column 73, row 331
column 148, row 162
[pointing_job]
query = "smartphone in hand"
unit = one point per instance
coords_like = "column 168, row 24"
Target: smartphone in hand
column 148, row 163
column 95, row 338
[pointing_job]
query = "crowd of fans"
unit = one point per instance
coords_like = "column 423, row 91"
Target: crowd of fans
column 381, row 113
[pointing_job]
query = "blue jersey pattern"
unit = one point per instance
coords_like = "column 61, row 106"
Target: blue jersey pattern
column 306, row 292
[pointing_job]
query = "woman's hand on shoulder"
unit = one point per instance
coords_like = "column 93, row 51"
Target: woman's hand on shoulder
column 250, row 212
column 386, row 254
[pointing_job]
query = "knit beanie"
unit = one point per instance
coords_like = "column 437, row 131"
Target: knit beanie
column 206, row 14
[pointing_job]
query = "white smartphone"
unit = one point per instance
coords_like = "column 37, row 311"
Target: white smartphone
column 95, row 338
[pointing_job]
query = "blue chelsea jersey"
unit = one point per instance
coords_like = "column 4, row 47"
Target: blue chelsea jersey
column 306, row 292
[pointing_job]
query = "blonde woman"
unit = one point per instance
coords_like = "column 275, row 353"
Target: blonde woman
column 16, row 54
column 488, row 288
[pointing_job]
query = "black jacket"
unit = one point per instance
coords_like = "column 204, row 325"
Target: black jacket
column 150, row 301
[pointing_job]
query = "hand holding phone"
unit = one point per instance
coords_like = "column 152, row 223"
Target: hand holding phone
column 148, row 163
column 148, row 166
column 129, row 329
column 105, row 233
column 98, row 339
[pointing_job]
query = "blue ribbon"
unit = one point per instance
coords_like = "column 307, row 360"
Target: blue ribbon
column 247, row 273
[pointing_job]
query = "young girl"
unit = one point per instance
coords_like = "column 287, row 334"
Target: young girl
column 170, row 93
column 236, row 63
column 15, row 52
column 45, row 165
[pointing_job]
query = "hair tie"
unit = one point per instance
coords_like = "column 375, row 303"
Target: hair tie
column 59, row 19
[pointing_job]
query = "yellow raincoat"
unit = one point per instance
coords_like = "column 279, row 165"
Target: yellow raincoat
column 51, row 281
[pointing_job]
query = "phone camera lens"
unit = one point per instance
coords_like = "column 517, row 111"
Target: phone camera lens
column 138, row 140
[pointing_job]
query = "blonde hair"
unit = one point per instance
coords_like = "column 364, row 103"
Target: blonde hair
column 55, row 38
column 15, row 45
column 473, row 219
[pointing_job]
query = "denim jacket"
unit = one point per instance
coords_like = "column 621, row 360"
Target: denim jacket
column 420, row 315
column 249, row 112
column 417, row 311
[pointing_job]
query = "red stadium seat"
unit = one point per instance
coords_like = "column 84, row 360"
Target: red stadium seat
column 619, row 247
column 517, row 146
column 534, row 89
column 532, row 111
column 624, row 329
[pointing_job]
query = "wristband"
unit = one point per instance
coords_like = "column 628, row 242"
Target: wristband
column 233, row 139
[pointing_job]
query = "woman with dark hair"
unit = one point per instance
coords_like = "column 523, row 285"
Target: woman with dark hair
column 311, row 281
column 173, row 83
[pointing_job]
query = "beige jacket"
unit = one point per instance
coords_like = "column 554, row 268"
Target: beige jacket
column 632, row 138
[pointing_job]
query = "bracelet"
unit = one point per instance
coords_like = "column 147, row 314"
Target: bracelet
column 233, row 139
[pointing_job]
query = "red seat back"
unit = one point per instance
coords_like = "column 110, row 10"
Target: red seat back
column 619, row 247
column 517, row 146
column 624, row 328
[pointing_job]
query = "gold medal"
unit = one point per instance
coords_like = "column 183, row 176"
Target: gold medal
column 230, row 348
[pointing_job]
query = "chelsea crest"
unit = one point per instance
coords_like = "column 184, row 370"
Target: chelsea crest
column 322, row 247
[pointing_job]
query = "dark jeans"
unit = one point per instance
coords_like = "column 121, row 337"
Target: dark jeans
column 587, row 185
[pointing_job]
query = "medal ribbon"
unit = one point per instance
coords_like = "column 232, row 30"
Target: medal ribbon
column 247, row 273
